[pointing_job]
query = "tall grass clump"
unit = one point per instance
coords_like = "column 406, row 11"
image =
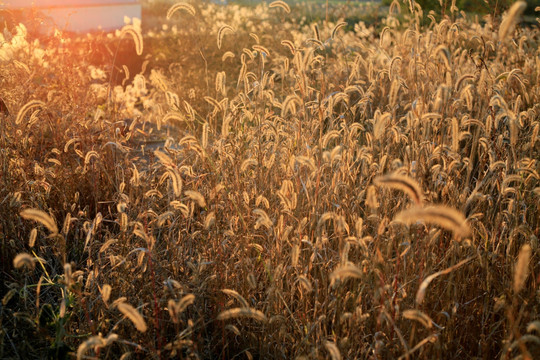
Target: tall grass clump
column 263, row 184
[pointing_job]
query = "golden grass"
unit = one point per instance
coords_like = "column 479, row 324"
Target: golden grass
column 41, row 217
column 280, row 4
column 181, row 6
column 299, row 189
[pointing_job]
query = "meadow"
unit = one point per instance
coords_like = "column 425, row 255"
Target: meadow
column 272, row 181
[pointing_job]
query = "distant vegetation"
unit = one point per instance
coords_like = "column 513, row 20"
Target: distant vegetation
column 495, row 7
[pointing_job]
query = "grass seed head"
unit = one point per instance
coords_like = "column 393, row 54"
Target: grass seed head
column 132, row 314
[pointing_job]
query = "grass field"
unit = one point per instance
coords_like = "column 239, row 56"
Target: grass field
column 272, row 182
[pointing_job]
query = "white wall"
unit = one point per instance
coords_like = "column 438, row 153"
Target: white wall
column 78, row 15
column 48, row 3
